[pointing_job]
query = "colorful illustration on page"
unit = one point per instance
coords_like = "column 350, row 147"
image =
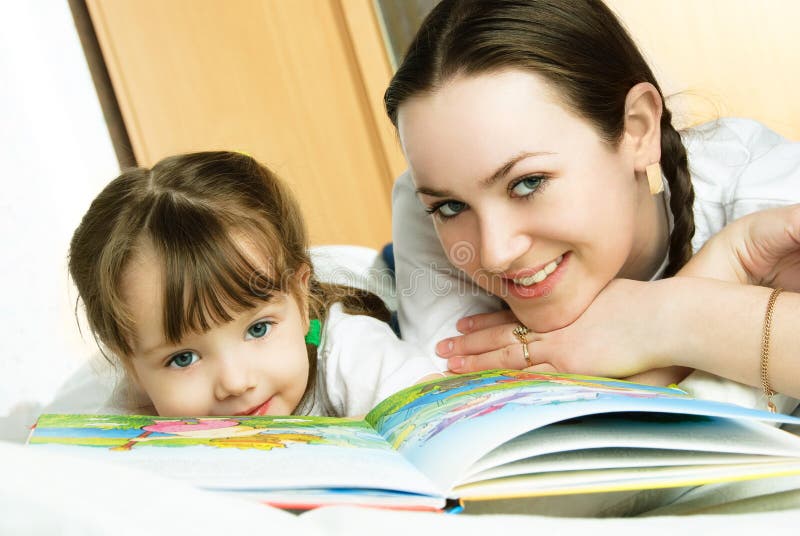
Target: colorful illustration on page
column 126, row 432
column 423, row 411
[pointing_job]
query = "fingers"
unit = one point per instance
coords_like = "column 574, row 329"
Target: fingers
column 542, row 367
column 507, row 357
column 781, row 234
column 793, row 223
column 482, row 321
column 479, row 342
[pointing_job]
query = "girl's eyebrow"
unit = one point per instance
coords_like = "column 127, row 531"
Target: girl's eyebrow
column 152, row 350
column 273, row 302
column 274, row 299
column 501, row 172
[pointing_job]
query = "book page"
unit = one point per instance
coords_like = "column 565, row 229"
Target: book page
column 238, row 453
column 444, row 426
column 686, row 437
column 630, row 478
column 611, row 458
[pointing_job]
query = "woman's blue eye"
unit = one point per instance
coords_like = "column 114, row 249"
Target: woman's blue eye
column 258, row 330
column 183, row 360
column 526, row 186
column 450, row 208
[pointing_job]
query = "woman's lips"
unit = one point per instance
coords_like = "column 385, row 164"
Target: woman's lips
column 542, row 288
column 528, row 272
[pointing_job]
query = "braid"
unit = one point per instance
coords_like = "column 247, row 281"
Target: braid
column 676, row 168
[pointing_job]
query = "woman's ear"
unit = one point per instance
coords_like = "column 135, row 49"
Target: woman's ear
column 643, row 107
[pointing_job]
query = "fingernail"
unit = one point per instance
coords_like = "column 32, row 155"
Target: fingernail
column 465, row 324
column 444, row 347
column 455, row 364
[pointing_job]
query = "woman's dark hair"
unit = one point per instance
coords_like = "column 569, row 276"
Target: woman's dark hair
column 205, row 215
column 578, row 46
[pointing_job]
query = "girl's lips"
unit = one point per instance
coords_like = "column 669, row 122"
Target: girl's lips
column 258, row 410
column 543, row 288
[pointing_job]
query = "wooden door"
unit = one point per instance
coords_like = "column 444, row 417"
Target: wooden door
column 298, row 84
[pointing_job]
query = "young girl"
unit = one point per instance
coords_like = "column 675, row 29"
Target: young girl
column 538, row 141
column 196, row 275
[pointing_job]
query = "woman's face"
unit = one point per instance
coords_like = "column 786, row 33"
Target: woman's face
column 526, row 198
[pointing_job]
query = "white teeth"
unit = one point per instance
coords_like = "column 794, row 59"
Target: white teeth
column 539, row 276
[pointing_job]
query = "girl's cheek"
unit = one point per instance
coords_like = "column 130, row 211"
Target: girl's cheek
column 174, row 396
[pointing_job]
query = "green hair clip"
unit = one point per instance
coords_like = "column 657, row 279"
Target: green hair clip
column 314, row 332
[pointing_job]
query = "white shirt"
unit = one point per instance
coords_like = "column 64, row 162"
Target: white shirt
column 361, row 361
column 738, row 166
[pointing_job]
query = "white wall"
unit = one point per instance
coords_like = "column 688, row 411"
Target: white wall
column 55, row 156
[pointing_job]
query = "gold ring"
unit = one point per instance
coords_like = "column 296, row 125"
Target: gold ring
column 521, row 333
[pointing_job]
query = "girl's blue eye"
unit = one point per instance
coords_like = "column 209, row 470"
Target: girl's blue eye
column 526, row 186
column 258, row 330
column 448, row 209
column 183, row 360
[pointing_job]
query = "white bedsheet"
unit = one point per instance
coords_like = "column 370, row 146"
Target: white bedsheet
column 46, row 494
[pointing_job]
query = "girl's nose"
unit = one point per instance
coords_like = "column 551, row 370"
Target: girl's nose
column 233, row 378
column 502, row 242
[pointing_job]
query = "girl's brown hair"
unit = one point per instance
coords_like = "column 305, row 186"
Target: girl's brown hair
column 578, row 46
column 197, row 211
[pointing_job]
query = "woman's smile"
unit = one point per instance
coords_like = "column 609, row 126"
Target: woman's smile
column 539, row 284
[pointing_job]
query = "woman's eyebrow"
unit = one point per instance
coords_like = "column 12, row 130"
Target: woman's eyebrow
column 433, row 193
column 504, row 169
column 501, row 172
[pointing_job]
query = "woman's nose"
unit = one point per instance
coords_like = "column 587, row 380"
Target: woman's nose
column 502, row 243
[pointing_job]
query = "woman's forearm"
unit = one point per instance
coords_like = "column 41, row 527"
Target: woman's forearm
column 717, row 327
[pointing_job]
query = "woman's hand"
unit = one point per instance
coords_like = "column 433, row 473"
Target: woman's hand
column 617, row 336
column 762, row 248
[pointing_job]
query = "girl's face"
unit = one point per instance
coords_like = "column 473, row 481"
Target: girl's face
column 257, row 364
column 526, row 198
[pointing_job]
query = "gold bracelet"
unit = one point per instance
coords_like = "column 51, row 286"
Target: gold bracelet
column 768, row 392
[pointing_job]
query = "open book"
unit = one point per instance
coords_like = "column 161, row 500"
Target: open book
column 471, row 438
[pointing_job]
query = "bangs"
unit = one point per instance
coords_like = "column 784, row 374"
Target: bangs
column 215, row 265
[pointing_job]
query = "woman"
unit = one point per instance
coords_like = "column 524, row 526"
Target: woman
column 538, row 139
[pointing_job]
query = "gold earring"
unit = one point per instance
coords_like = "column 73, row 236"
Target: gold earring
column 654, row 179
